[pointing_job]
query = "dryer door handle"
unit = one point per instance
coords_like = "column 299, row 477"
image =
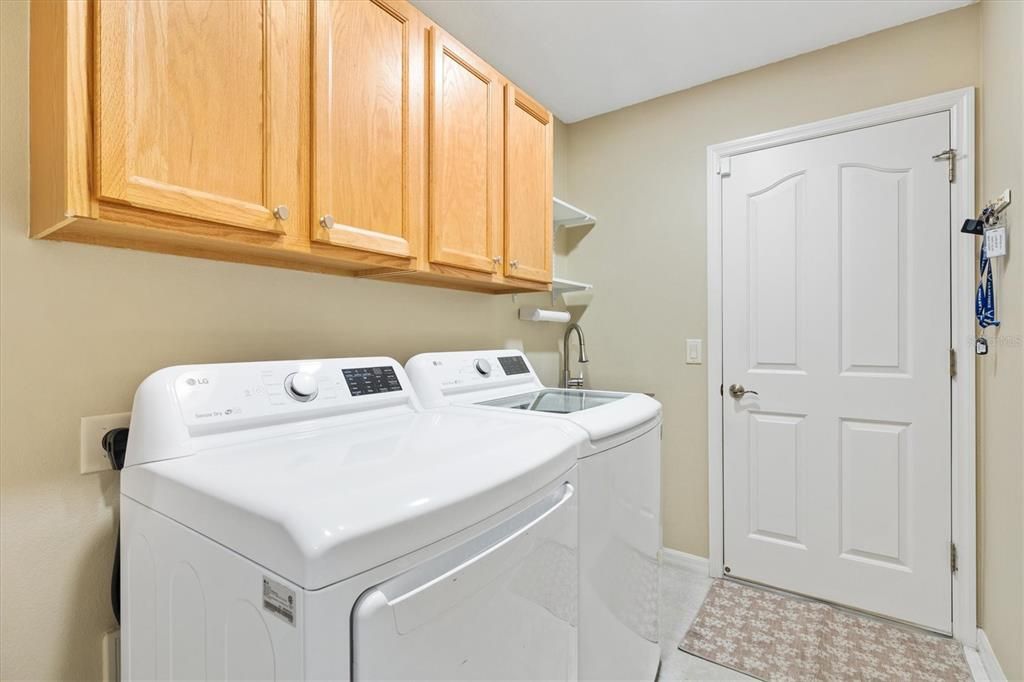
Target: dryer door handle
column 420, row 594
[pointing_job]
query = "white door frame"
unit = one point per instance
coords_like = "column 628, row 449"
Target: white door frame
column 960, row 105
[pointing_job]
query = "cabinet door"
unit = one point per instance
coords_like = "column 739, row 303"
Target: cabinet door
column 528, row 187
column 465, row 157
column 368, row 124
column 199, row 109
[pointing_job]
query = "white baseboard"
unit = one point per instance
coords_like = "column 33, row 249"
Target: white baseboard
column 978, row 672
column 687, row 562
column 988, row 658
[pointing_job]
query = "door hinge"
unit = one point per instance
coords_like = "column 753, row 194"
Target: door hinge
column 950, row 156
column 725, row 166
column 952, row 362
column 952, row 557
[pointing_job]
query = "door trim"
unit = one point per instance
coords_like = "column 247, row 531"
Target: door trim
column 960, row 105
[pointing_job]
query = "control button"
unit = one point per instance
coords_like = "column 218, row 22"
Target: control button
column 483, row 367
column 301, row 386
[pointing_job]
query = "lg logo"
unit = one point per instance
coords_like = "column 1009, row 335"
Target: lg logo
column 202, row 381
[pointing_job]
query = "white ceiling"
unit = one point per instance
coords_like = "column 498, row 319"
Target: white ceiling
column 581, row 58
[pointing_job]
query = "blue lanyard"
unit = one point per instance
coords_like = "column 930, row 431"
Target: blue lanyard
column 985, row 301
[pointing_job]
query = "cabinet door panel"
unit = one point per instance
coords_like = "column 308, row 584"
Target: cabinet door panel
column 368, row 139
column 193, row 117
column 465, row 157
column 528, row 187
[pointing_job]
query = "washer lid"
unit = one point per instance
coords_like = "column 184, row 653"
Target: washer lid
column 602, row 413
column 321, row 506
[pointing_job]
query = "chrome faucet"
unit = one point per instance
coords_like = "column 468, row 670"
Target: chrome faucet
column 568, row 380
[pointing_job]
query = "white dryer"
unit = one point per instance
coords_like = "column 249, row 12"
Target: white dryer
column 308, row 520
column 619, row 494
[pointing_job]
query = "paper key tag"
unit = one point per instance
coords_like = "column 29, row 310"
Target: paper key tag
column 995, row 241
column 981, row 346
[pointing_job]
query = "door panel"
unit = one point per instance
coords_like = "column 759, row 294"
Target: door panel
column 836, row 286
column 874, row 490
column 528, row 187
column 775, row 220
column 873, row 237
column 775, row 470
column 196, row 114
column 368, row 134
column 465, row 157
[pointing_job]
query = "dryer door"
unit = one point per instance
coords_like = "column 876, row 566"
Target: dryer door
column 501, row 606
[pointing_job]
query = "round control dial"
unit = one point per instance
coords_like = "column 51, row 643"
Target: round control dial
column 301, row 386
column 483, row 367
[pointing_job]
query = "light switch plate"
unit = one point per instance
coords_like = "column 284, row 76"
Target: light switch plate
column 92, row 457
column 694, row 351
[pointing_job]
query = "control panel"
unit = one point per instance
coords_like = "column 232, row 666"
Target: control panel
column 370, row 380
column 470, row 375
column 513, row 364
column 215, row 394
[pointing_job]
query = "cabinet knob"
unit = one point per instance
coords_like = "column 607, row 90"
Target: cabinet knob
column 281, row 212
column 327, row 221
column 497, row 260
column 514, row 264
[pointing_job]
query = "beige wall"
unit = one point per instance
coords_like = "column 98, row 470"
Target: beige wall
column 1001, row 373
column 81, row 326
column 642, row 172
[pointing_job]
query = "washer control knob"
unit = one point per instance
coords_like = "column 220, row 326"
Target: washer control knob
column 483, row 367
column 301, row 386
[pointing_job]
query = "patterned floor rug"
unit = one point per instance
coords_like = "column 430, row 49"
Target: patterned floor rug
column 777, row 637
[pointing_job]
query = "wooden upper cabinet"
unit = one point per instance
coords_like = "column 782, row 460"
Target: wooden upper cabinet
column 368, row 140
column 344, row 136
column 529, row 136
column 196, row 112
column 465, row 157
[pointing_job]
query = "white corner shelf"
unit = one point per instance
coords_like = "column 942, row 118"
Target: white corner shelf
column 560, row 287
column 567, row 215
column 564, row 286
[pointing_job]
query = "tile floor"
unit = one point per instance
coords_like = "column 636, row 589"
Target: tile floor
column 682, row 591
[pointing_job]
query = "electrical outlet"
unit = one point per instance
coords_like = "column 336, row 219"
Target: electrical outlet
column 694, row 351
column 92, row 456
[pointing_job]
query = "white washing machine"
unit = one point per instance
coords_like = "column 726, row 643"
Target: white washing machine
column 619, row 493
column 308, row 520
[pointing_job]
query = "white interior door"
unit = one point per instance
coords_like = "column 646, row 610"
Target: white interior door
column 835, row 310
